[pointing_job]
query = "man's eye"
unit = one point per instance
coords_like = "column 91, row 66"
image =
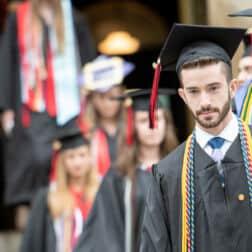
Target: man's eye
column 214, row 88
column 248, row 69
column 193, row 91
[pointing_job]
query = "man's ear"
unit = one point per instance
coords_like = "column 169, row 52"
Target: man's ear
column 233, row 86
column 181, row 93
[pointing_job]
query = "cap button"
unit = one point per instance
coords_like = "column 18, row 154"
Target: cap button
column 241, row 197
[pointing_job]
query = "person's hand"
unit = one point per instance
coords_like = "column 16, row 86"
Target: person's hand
column 7, row 121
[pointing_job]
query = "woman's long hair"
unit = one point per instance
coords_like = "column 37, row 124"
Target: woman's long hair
column 90, row 115
column 60, row 200
column 128, row 157
column 58, row 20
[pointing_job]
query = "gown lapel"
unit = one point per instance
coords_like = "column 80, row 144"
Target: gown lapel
column 223, row 212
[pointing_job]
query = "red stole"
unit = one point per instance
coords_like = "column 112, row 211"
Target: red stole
column 83, row 205
column 101, row 154
column 43, row 88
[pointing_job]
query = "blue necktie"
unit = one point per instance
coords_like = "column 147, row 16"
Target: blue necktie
column 216, row 143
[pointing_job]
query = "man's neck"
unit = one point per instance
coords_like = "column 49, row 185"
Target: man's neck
column 218, row 129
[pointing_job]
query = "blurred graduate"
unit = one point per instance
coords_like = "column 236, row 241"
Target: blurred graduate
column 200, row 194
column 118, row 209
column 43, row 47
column 59, row 212
column 101, row 117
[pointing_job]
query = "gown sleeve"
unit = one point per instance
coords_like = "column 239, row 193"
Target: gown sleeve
column 104, row 228
column 8, row 67
column 155, row 234
column 34, row 237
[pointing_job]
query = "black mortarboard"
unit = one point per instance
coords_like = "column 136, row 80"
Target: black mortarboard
column 187, row 43
column 72, row 141
column 247, row 39
column 242, row 13
column 140, row 99
column 70, row 136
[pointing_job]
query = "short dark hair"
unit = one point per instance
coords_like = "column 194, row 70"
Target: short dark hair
column 201, row 62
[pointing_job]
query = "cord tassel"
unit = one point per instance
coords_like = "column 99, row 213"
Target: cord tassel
column 129, row 126
column 154, row 95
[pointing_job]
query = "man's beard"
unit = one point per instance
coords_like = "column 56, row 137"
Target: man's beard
column 222, row 114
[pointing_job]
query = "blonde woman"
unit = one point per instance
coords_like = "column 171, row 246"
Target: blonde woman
column 58, row 214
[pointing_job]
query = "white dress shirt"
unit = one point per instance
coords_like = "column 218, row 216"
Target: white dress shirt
column 229, row 133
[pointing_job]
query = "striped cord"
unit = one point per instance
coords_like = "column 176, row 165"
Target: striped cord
column 188, row 183
column 188, row 197
column 246, row 144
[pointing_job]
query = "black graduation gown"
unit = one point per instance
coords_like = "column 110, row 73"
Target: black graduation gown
column 105, row 226
column 39, row 235
column 223, row 223
column 28, row 150
column 112, row 142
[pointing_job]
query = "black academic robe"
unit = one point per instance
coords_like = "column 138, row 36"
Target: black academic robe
column 104, row 150
column 112, row 143
column 105, row 226
column 28, row 150
column 223, row 223
column 39, row 235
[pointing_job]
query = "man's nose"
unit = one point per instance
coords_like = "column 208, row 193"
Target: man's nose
column 204, row 99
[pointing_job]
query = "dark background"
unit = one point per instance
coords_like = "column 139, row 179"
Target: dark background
column 143, row 74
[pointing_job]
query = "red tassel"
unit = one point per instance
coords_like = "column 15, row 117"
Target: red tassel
column 53, row 167
column 50, row 91
column 154, row 95
column 102, row 155
column 129, row 136
column 26, row 119
column 22, row 11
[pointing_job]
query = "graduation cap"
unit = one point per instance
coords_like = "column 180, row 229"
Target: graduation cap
column 247, row 39
column 70, row 139
column 139, row 100
column 242, row 13
column 186, row 43
column 105, row 72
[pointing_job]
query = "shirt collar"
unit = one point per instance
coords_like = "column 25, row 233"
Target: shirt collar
column 229, row 133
